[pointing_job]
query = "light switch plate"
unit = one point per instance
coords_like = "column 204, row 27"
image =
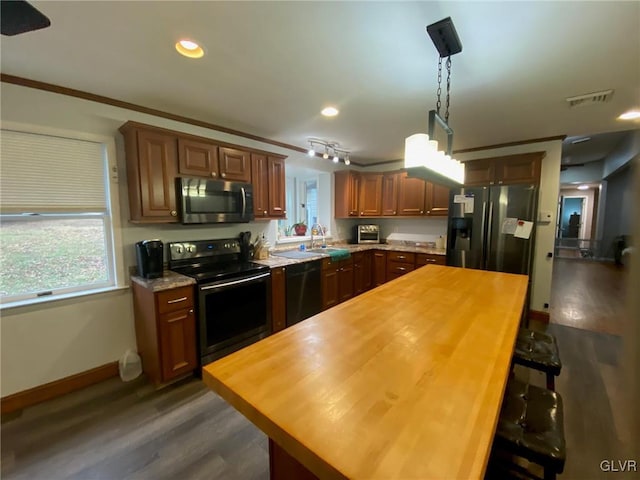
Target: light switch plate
column 545, row 216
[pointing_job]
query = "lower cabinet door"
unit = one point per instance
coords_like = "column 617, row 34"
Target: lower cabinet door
column 278, row 299
column 177, row 343
column 330, row 287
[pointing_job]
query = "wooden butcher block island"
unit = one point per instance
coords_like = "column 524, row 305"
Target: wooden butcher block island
column 404, row 381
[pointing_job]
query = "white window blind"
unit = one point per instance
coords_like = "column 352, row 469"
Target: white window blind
column 43, row 173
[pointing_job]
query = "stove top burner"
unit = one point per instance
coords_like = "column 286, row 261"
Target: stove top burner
column 212, row 260
column 215, row 272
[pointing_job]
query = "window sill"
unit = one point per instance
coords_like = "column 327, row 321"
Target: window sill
column 65, row 296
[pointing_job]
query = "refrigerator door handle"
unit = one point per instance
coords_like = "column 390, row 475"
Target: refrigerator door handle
column 488, row 237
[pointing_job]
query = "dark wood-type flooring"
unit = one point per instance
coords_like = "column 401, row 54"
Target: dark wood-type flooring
column 132, row 431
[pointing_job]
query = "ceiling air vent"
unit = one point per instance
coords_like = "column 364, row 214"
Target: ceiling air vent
column 590, row 98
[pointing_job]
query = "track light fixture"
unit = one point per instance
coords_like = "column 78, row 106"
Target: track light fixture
column 331, row 150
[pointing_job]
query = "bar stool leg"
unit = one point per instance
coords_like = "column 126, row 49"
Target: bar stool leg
column 549, row 474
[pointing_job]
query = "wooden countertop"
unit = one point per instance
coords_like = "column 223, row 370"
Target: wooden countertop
column 403, row 381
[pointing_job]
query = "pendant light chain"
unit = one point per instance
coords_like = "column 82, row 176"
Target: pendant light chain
column 438, row 102
column 446, row 114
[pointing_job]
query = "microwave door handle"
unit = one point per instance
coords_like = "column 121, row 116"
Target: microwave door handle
column 244, row 201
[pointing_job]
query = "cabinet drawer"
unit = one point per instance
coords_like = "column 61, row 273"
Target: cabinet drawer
column 423, row 259
column 175, row 299
column 405, row 257
column 328, row 263
column 398, row 268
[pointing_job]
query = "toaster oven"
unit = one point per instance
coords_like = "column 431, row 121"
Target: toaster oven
column 367, row 234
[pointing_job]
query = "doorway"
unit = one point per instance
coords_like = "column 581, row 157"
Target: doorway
column 572, row 219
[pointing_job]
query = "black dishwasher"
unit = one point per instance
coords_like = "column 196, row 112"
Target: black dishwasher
column 304, row 294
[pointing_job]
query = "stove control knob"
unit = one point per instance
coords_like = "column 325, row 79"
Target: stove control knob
column 191, row 248
column 179, row 249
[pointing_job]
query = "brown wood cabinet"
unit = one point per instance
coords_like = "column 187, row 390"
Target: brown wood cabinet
column 411, row 195
column 337, row 281
column 379, row 267
column 423, row 259
column 235, row 164
column 511, row 169
column 399, row 263
column 155, row 157
column 268, row 186
column 151, row 171
column 390, row 194
column 347, row 191
column 165, row 332
column 278, row 299
column 197, row 158
column 362, row 269
column 370, row 195
column 437, row 200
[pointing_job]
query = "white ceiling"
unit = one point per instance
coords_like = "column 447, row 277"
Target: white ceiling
column 270, row 67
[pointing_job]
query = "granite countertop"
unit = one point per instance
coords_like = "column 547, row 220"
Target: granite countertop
column 167, row 281
column 275, row 261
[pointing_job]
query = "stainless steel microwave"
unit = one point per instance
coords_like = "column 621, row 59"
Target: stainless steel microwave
column 367, row 234
column 202, row 200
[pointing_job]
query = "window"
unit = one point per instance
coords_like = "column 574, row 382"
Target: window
column 55, row 219
column 309, row 198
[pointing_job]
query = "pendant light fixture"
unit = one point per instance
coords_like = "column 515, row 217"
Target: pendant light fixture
column 423, row 157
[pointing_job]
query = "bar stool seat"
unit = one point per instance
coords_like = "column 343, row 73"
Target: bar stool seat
column 539, row 351
column 531, row 425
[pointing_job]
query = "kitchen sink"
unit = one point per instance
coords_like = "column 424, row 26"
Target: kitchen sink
column 334, row 253
column 297, row 255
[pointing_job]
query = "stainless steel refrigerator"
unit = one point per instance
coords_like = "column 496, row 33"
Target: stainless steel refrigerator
column 486, row 225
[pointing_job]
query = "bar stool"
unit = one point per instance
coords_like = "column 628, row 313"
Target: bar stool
column 539, row 351
column 531, row 425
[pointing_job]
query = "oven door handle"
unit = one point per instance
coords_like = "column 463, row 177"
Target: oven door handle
column 235, row 282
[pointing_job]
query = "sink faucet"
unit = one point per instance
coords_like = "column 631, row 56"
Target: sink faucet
column 320, row 229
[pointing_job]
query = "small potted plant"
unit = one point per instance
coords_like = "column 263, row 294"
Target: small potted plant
column 300, row 228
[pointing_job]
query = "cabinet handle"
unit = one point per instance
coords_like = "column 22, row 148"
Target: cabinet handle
column 213, row 174
column 490, row 183
column 223, row 175
column 191, row 310
column 174, row 213
column 402, row 269
column 361, row 213
column 500, row 182
column 401, row 257
column 265, row 212
column 177, row 300
column 394, row 212
column 431, row 260
column 428, row 211
column 421, row 211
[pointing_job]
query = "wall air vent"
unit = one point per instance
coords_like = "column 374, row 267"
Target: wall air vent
column 590, row 98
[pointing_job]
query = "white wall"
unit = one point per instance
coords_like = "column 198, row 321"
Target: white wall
column 547, row 200
column 46, row 342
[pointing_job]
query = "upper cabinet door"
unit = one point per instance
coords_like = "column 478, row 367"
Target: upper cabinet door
column 437, row 200
column 479, row 172
column 370, row 197
column 260, row 182
column 411, row 195
column 235, row 164
column 277, row 188
column 523, row 168
column 347, row 191
column 390, row 194
column 197, row 158
column 157, row 164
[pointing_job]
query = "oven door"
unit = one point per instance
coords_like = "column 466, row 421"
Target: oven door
column 214, row 201
column 232, row 314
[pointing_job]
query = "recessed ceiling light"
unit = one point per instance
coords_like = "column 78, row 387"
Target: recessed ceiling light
column 189, row 48
column 630, row 115
column 583, row 187
column 330, row 111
